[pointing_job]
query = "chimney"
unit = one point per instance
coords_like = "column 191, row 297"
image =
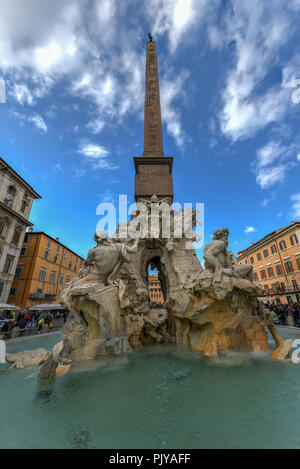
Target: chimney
column 57, row 239
column 30, row 230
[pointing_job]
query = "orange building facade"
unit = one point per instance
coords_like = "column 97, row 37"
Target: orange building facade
column 45, row 266
column 276, row 263
column 155, row 293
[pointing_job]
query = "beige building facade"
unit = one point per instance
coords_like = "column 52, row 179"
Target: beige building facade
column 44, row 268
column 276, row 263
column 16, row 199
column 155, row 292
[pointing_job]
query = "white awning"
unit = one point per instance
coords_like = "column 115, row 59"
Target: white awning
column 5, row 307
column 46, row 307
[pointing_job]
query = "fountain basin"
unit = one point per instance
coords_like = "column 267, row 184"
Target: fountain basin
column 162, row 396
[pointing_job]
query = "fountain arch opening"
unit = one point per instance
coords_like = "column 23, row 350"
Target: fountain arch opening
column 156, row 280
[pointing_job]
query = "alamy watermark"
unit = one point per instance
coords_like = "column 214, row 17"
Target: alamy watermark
column 296, row 353
column 2, row 91
column 153, row 220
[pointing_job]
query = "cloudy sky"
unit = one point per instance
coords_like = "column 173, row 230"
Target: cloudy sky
column 230, row 93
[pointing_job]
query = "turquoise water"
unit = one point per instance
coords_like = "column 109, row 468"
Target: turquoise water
column 158, row 397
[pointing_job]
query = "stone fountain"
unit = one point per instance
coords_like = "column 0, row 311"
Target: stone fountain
column 209, row 309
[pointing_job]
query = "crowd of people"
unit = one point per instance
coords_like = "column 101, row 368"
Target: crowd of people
column 35, row 322
column 285, row 314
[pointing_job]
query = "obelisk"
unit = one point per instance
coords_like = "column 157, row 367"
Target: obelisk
column 153, row 169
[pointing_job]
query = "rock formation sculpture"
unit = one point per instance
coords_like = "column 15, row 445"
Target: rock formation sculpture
column 208, row 309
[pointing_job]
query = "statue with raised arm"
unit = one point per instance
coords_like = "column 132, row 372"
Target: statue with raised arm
column 219, row 261
column 107, row 257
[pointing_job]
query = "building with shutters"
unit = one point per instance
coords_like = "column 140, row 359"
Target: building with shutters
column 276, row 263
column 16, row 199
column 45, row 266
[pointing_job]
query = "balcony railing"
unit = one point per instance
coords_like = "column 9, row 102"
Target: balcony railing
column 42, row 296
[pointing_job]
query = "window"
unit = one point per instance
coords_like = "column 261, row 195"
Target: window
column 263, row 274
column 55, row 259
column 259, row 256
column 19, row 271
column 270, row 272
column 1, row 288
column 16, row 236
column 48, row 243
column 246, row 262
column 252, row 260
column 8, row 264
column 295, row 285
column 2, row 227
column 255, row 277
column 52, row 277
column 23, row 251
column 266, row 253
column 10, row 195
column 288, row 267
column 294, row 240
column 46, row 254
column 58, row 248
column 13, row 292
column 61, row 279
column 42, row 275
column 65, row 252
column 75, row 268
column 68, row 279
column 266, row 288
column 282, row 245
column 273, row 249
column 27, row 238
column 71, row 256
column 279, row 269
column 282, row 286
column 24, row 206
column 70, row 265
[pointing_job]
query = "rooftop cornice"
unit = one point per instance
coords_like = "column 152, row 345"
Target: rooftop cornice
column 275, row 235
column 15, row 214
column 14, row 175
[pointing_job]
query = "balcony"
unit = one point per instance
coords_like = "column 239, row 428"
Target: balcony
column 42, row 296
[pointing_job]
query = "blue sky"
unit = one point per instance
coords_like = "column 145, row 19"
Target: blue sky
column 229, row 77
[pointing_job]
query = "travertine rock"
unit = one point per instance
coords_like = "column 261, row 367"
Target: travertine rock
column 28, row 358
column 210, row 310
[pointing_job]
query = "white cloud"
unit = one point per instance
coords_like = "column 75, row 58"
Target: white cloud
column 267, row 177
column 96, row 154
column 92, row 150
column 250, row 229
column 272, row 163
column 175, row 18
column 96, row 126
column 296, row 205
column 298, row 157
column 87, row 47
column 257, row 29
column 22, row 94
column 172, row 90
column 39, row 122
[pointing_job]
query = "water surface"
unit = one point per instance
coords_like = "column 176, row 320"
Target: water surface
column 158, row 397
